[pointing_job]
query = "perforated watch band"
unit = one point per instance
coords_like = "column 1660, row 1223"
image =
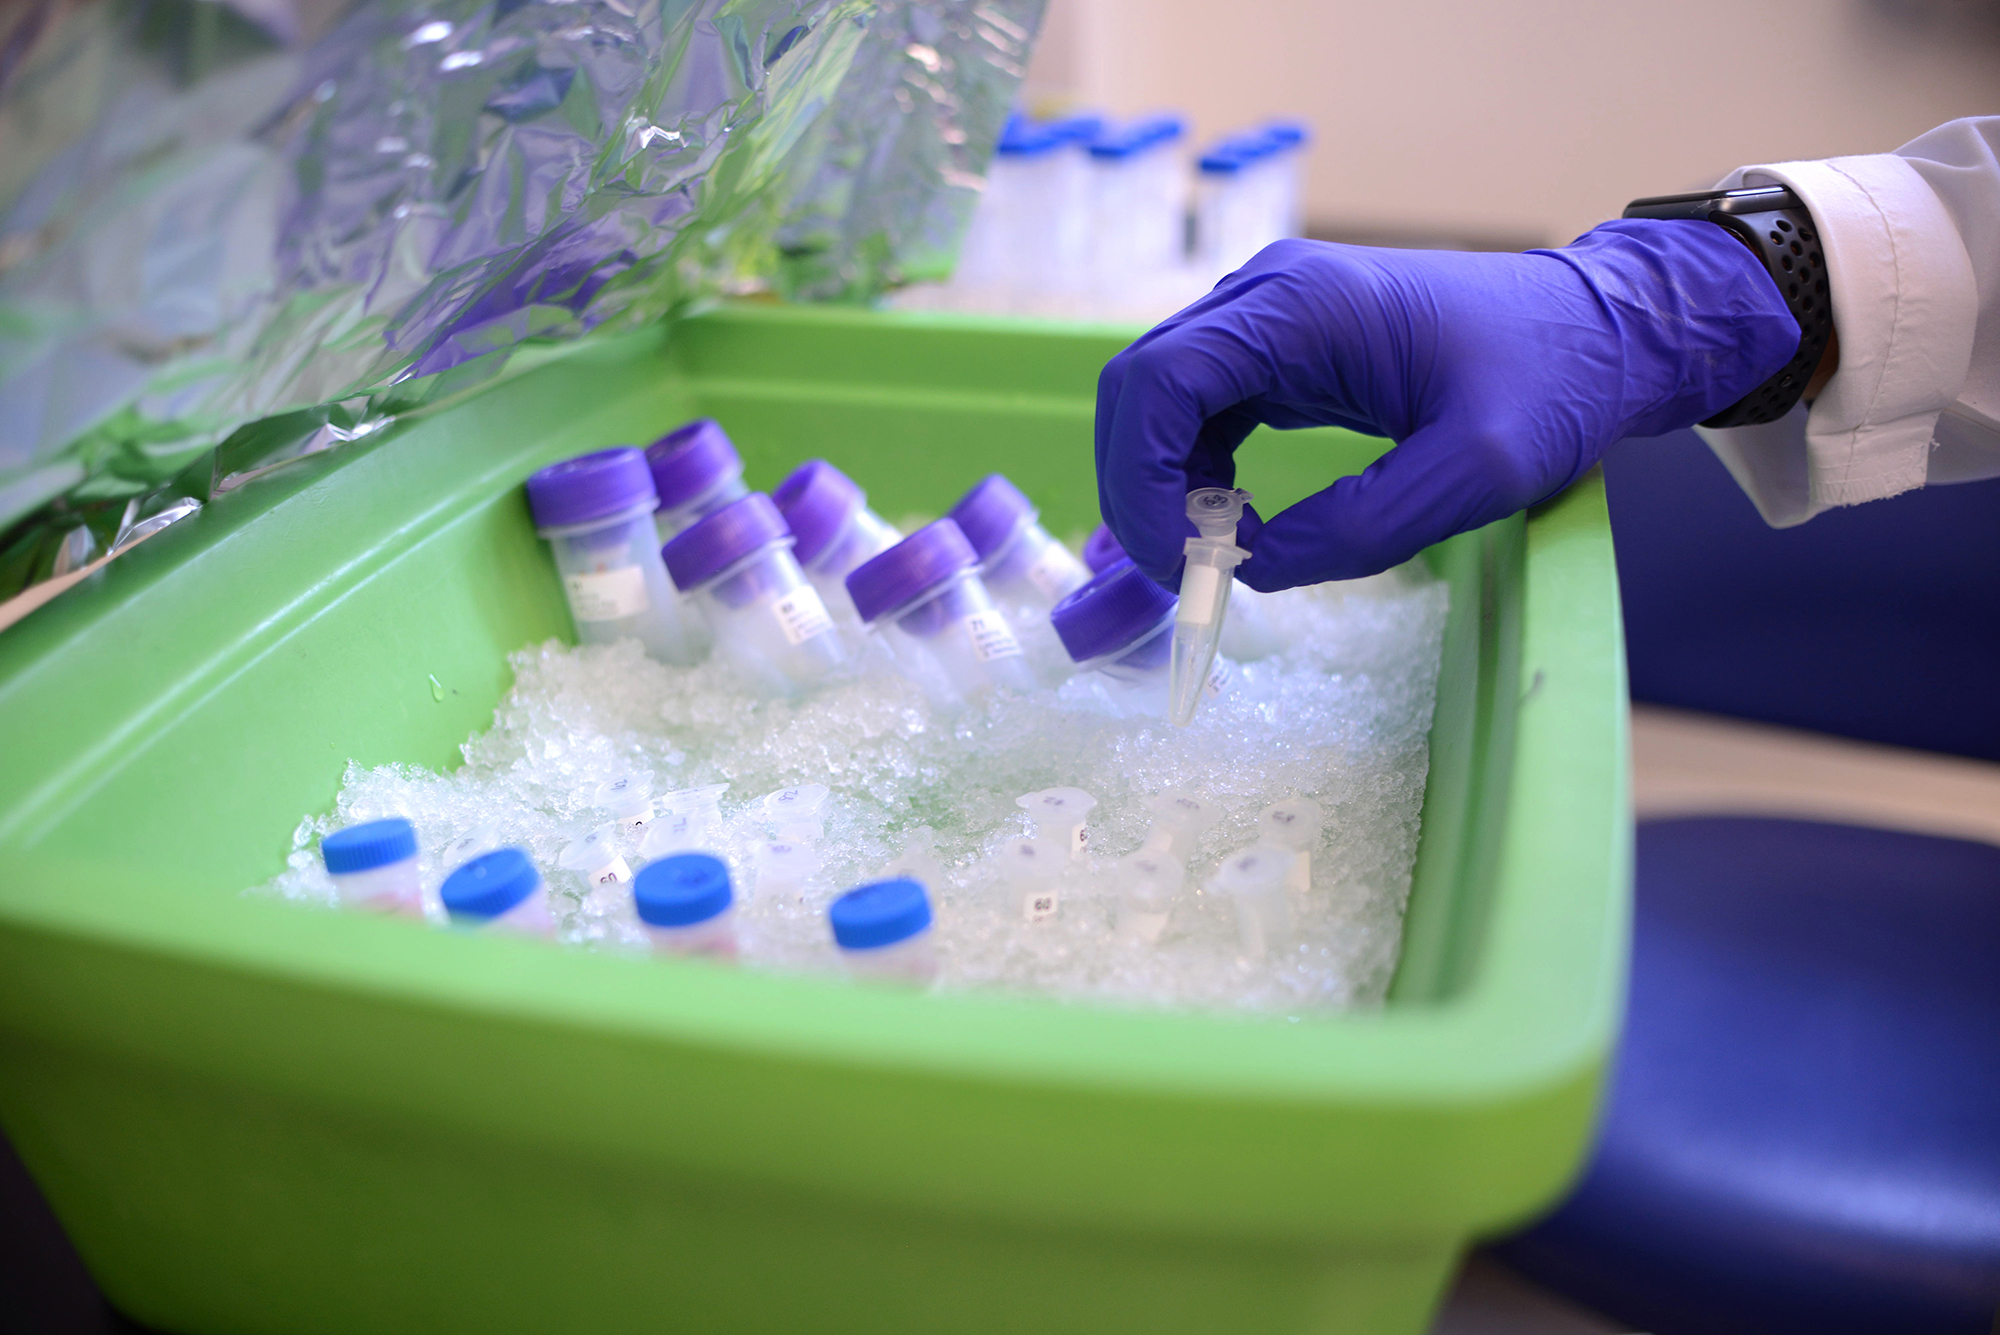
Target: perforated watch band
column 1775, row 225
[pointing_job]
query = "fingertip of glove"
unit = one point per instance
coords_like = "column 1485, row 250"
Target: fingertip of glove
column 1248, row 525
column 1265, row 576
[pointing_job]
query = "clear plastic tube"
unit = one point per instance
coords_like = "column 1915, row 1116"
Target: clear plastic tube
column 866, row 536
column 1255, row 879
column 1148, row 880
column 713, row 938
column 1033, row 570
column 1179, row 821
column 955, row 643
column 1204, row 597
column 1060, row 816
column 596, row 858
column 784, row 867
column 1032, row 869
column 770, row 621
column 618, row 587
column 797, row 815
column 687, row 821
column 626, row 798
column 1294, row 823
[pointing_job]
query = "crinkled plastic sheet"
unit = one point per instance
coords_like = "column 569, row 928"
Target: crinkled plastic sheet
column 898, row 163
column 231, row 237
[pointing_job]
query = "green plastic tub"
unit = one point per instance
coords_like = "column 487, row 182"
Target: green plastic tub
column 255, row 1118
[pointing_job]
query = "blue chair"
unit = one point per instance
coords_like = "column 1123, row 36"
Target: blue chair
column 1803, row 1132
column 1879, row 622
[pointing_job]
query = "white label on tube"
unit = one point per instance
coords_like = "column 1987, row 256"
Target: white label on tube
column 614, row 872
column 1079, row 839
column 607, row 595
column 801, row 614
column 1051, row 574
column 991, row 636
column 1039, row 904
column 1199, row 585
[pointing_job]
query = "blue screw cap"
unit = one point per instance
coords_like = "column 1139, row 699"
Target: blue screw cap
column 880, row 914
column 490, row 884
column 378, row 843
column 681, row 890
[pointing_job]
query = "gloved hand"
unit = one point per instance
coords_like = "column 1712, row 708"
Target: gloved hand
column 1503, row 378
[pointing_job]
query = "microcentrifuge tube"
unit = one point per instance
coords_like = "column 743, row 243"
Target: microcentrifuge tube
column 1148, row 881
column 627, row 798
column 595, row 857
column 918, row 860
column 797, row 814
column 1204, row 597
column 1255, row 880
column 1179, row 821
column 1031, row 867
column 1060, row 815
column 784, row 867
column 687, row 821
column 1295, row 824
column 481, row 839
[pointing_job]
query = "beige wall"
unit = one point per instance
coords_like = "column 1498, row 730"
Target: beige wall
column 1536, row 118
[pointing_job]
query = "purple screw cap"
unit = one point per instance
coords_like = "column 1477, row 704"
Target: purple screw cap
column 817, row 500
column 590, row 486
column 991, row 513
column 913, row 567
column 719, row 540
column 1117, row 607
column 1101, row 551
column 690, row 460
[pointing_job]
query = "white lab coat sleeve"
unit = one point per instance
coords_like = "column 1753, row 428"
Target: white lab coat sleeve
column 1912, row 245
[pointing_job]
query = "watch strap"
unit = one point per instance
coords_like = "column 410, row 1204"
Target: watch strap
column 1775, row 225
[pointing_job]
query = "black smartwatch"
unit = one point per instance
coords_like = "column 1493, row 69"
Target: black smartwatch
column 1775, row 225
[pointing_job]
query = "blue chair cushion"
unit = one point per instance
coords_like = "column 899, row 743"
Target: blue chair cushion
column 1881, row 621
column 1803, row 1133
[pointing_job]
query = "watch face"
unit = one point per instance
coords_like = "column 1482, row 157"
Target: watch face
column 1705, row 203
column 1757, row 199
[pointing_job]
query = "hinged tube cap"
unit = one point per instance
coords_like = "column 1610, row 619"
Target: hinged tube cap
column 1215, row 510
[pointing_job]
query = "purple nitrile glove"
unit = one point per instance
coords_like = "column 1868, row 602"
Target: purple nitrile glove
column 1502, row 377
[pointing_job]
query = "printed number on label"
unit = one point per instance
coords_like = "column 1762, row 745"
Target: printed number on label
column 1039, row 906
column 991, row 636
column 801, row 614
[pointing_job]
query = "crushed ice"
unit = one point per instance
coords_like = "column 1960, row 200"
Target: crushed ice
column 1340, row 715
